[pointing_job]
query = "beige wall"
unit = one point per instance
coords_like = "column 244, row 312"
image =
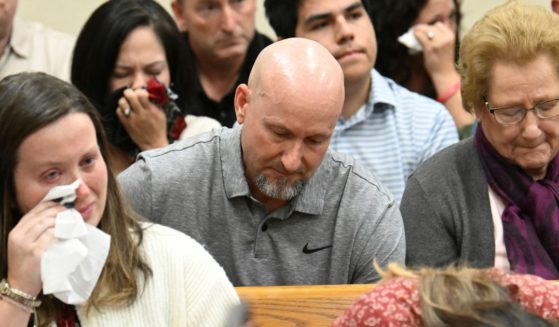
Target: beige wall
column 69, row 15
column 474, row 9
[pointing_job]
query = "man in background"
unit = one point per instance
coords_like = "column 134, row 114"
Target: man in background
column 224, row 44
column 28, row 46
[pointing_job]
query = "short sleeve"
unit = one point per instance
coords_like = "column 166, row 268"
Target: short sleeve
column 136, row 185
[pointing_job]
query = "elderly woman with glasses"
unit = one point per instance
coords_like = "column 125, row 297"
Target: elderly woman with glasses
column 492, row 200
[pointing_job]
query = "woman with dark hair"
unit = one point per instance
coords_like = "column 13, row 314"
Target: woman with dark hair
column 121, row 46
column 152, row 275
column 431, row 72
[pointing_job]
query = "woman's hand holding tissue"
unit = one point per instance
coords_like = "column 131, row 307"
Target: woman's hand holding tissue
column 26, row 243
column 438, row 42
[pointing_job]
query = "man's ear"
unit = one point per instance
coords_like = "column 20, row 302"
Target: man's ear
column 555, row 6
column 178, row 13
column 242, row 100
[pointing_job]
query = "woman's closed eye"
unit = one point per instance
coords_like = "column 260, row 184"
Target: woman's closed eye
column 121, row 73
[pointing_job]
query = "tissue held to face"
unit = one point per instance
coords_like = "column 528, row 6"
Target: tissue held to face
column 58, row 154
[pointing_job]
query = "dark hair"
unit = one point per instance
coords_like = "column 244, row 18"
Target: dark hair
column 282, row 15
column 29, row 102
column 392, row 18
column 98, row 46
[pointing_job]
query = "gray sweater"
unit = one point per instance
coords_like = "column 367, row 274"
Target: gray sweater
column 446, row 211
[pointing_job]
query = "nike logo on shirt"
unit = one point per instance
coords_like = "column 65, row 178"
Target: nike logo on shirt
column 306, row 249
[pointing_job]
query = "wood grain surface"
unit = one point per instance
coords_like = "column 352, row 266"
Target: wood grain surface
column 308, row 306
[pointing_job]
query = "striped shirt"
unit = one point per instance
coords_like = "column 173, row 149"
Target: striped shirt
column 394, row 132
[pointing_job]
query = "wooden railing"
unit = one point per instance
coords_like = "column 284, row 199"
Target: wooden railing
column 308, row 306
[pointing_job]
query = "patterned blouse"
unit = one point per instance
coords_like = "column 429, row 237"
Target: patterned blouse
column 395, row 301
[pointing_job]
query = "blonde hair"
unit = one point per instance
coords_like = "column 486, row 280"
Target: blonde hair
column 514, row 32
column 458, row 296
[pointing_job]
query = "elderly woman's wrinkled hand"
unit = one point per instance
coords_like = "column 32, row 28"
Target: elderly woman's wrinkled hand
column 144, row 121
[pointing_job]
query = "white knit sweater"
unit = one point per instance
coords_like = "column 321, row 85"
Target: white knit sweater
column 188, row 287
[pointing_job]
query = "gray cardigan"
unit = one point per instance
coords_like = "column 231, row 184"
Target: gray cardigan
column 446, row 211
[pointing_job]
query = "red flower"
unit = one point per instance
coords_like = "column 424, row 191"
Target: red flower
column 157, row 92
column 164, row 98
column 178, row 126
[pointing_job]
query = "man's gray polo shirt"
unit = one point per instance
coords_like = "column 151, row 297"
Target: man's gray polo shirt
column 328, row 234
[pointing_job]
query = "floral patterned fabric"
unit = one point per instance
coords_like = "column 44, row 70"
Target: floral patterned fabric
column 395, row 301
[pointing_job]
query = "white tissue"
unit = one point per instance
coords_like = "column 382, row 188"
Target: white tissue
column 68, row 225
column 410, row 41
column 73, row 262
column 66, row 193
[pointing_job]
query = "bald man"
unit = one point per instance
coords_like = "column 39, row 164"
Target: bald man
column 266, row 198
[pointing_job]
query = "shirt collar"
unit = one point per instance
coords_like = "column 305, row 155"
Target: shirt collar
column 311, row 198
column 381, row 92
column 20, row 40
column 232, row 163
column 380, row 97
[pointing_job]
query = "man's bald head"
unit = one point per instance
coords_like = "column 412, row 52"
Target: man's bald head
column 288, row 111
column 296, row 67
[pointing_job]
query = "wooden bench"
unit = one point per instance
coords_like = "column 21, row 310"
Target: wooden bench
column 313, row 305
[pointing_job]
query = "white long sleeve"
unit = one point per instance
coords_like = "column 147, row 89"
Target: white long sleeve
column 188, row 287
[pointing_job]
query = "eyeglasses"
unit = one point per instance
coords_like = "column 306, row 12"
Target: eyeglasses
column 513, row 115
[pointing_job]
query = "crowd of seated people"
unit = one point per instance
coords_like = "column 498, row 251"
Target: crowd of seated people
column 267, row 199
column 330, row 169
column 382, row 124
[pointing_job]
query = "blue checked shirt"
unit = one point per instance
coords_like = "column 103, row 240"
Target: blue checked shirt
column 394, row 132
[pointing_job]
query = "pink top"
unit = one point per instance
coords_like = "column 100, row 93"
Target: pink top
column 395, row 302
